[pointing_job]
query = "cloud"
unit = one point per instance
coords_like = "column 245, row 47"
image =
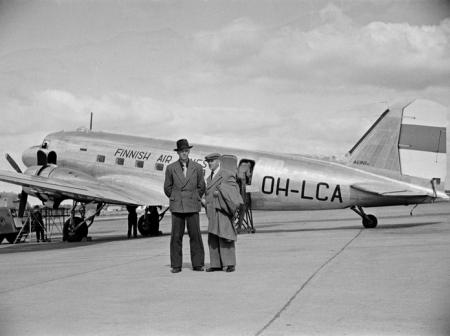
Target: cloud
column 237, row 41
column 241, row 127
column 336, row 52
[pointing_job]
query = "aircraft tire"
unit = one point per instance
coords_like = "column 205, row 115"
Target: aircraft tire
column 144, row 227
column 370, row 222
column 78, row 235
column 11, row 237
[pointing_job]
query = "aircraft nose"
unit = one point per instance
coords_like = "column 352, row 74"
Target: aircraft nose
column 29, row 156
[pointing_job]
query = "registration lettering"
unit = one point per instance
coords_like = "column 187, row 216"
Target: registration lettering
column 321, row 191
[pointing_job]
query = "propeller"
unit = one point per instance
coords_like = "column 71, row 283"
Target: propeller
column 23, row 196
column 13, row 163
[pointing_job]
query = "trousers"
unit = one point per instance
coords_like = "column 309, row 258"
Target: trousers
column 222, row 252
column 179, row 222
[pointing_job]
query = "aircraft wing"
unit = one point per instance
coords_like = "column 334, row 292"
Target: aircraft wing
column 148, row 190
column 81, row 191
column 391, row 190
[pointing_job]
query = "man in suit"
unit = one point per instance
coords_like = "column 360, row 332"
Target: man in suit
column 185, row 185
column 221, row 231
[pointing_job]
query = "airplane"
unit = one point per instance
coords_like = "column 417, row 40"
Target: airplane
column 400, row 160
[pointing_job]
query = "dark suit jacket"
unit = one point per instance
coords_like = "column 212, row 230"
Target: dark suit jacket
column 185, row 193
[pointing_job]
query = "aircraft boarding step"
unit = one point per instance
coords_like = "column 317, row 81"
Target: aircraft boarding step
column 244, row 216
column 22, row 235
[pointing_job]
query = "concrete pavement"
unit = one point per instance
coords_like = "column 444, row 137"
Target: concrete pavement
column 302, row 273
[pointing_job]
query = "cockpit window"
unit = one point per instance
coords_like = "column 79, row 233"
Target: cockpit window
column 44, row 144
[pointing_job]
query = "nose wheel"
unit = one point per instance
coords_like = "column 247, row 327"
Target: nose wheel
column 368, row 221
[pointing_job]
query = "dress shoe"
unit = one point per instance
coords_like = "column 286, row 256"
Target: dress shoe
column 213, row 269
column 176, row 270
column 198, row 268
column 230, row 269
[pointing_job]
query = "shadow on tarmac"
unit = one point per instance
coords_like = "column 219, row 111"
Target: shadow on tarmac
column 260, row 229
column 56, row 245
column 380, row 227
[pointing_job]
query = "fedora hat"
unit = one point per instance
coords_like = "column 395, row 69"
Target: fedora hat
column 182, row 144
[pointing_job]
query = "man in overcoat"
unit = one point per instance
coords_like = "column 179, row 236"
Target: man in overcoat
column 184, row 184
column 221, row 194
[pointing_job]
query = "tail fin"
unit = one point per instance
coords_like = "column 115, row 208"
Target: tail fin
column 409, row 139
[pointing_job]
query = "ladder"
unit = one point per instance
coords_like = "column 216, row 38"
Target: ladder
column 23, row 233
column 244, row 218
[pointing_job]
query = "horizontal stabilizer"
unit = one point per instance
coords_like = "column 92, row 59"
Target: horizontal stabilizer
column 391, row 190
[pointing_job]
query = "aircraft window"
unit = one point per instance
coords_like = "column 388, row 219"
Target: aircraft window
column 159, row 166
column 100, row 158
column 44, row 144
column 51, row 157
column 139, row 164
column 120, row 161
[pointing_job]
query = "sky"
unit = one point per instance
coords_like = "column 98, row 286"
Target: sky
column 304, row 77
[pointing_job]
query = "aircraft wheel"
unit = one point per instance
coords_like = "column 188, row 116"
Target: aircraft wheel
column 11, row 237
column 370, row 222
column 144, row 226
column 75, row 236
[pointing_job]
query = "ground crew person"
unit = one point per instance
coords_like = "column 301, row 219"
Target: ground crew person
column 222, row 201
column 132, row 221
column 184, row 184
column 38, row 223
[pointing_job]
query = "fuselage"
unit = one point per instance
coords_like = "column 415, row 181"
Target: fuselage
column 276, row 181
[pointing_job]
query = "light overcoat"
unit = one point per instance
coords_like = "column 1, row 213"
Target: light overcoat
column 219, row 222
column 185, row 193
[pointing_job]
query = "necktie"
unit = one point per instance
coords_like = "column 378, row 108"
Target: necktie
column 212, row 174
column 184, row 170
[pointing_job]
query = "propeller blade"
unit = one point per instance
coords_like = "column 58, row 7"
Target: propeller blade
column 13, row 163
column 23, row 203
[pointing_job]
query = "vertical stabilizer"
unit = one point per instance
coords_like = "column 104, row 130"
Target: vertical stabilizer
column 378, row 147
column 409, row 139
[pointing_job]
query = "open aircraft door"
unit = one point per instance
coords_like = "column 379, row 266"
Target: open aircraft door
column 244, row 218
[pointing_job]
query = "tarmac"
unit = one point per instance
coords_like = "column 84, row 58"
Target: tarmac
column 301, row 273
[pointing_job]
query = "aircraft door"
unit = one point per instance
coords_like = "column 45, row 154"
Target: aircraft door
column 245, row 170
column 244, row 178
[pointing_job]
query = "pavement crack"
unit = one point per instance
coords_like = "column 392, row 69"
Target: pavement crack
column 293, row 297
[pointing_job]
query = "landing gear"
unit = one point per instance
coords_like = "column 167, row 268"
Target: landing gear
column 148, row 224
column 368, row 221
column 76, row 228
